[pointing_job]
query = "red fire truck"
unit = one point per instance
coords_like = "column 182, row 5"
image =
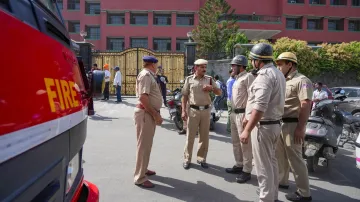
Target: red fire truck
column 44, row 96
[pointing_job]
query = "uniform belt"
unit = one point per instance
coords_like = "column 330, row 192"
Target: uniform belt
column 140, row 106
column 270, row 122
column 290, row 120
column 199, row 107
column 239, row 110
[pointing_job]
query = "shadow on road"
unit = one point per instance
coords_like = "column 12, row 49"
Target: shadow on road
column 220, row 172
column 98, row 117
column 186, row 191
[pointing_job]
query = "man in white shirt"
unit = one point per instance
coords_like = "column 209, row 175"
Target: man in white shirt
column 107, row 82
column 319, row 94
column 117, row 84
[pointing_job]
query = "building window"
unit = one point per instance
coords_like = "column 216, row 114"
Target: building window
column 314, row 43
column 162, row 19
column 92, row 8
column 336, row 25
column 115, row 44
column 296, row 1
column 354, row 25
column 294, row 23
column 60, row 4
column 315, row 24
column 180, row 44
column 185, row 19
column 162, row 44
column 139, row 18
column 338, row 2
column 317, row 2
column 73, row 4
column 116, row 19
column 93, row 32
column 139, row 42
column 74, row 27
column 355, row 2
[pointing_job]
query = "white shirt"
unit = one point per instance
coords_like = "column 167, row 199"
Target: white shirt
column 117, row 78
column 107, row 74
column 321, row 95
column 218, row 83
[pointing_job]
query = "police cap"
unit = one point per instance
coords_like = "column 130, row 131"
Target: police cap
column 150, row 59
column 201, row 62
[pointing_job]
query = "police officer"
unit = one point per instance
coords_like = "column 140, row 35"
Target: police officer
column 296, row 113
column 264, row 110
column 147, row 116
column 197, row 90
column 242, row 152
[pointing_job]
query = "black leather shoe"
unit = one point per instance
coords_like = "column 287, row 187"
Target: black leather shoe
column 203, row 164
column 243, row 177
column 234, row 170
column 283, row 186
column 297, row 197
column 186, row 166
column 182, row 132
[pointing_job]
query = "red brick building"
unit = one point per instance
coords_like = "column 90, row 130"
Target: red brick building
column 162, row 25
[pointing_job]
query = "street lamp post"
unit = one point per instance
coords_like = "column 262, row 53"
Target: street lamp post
column 190, row 53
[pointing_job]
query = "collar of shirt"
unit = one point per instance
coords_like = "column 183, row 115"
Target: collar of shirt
column 269, row 65
column 241, row 74
column 196, row 77
column 291, row 75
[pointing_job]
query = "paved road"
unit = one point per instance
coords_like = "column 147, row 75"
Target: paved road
column 109, row 153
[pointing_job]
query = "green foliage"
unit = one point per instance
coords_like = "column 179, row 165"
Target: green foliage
column 235, row 39
column 260, row 41
column 303, row 52
column 210, row 35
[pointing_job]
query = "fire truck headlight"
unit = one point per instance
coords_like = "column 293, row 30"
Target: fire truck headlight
column 72, row 171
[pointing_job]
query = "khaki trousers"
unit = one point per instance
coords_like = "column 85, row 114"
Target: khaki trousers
column 264, row 141
column 145, row 130
column 242, row 152
column 289, row 155
column 197, row 119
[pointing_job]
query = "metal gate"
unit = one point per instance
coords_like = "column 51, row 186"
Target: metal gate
column 130, row 63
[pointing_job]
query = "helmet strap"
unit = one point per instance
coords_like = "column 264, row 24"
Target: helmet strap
column 288, row 72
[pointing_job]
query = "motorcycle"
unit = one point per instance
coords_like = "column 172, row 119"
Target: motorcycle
column 322, row 130
column 175, row 109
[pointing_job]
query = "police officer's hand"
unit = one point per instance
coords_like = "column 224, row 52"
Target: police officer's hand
column 299, row 135
column 207, row 88
column 244, row 137
column 184, row 116
column 158, row 119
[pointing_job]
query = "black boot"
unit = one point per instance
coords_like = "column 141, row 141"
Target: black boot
column 297, row 197
column 234, row 170
column 182, row 132
column 243, row 177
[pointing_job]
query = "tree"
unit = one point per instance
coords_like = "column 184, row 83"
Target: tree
column 210, row 34
column 235, row 39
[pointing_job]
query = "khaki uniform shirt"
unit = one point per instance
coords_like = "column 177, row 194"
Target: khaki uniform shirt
column 240, row 90
column 193, row 88
column 298, row 88
column 146, row 84
column 267, row 94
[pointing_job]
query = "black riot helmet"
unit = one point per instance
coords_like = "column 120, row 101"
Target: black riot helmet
column 261, row 51
column 239, row 60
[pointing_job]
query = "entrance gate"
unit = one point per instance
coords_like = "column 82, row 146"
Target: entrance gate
column 130, row 63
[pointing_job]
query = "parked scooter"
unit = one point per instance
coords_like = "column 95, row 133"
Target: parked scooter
column 323, row 128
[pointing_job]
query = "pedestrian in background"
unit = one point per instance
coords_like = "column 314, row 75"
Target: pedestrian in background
column 147, row 117
column 162, row 80
column 107, row 82
column 117, row 84
column 229, row 85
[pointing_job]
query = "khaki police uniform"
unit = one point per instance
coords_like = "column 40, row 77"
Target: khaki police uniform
column 267, row 94
column 289, row 155
column 145, row 124
column 197, row 118
column 240, row 91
